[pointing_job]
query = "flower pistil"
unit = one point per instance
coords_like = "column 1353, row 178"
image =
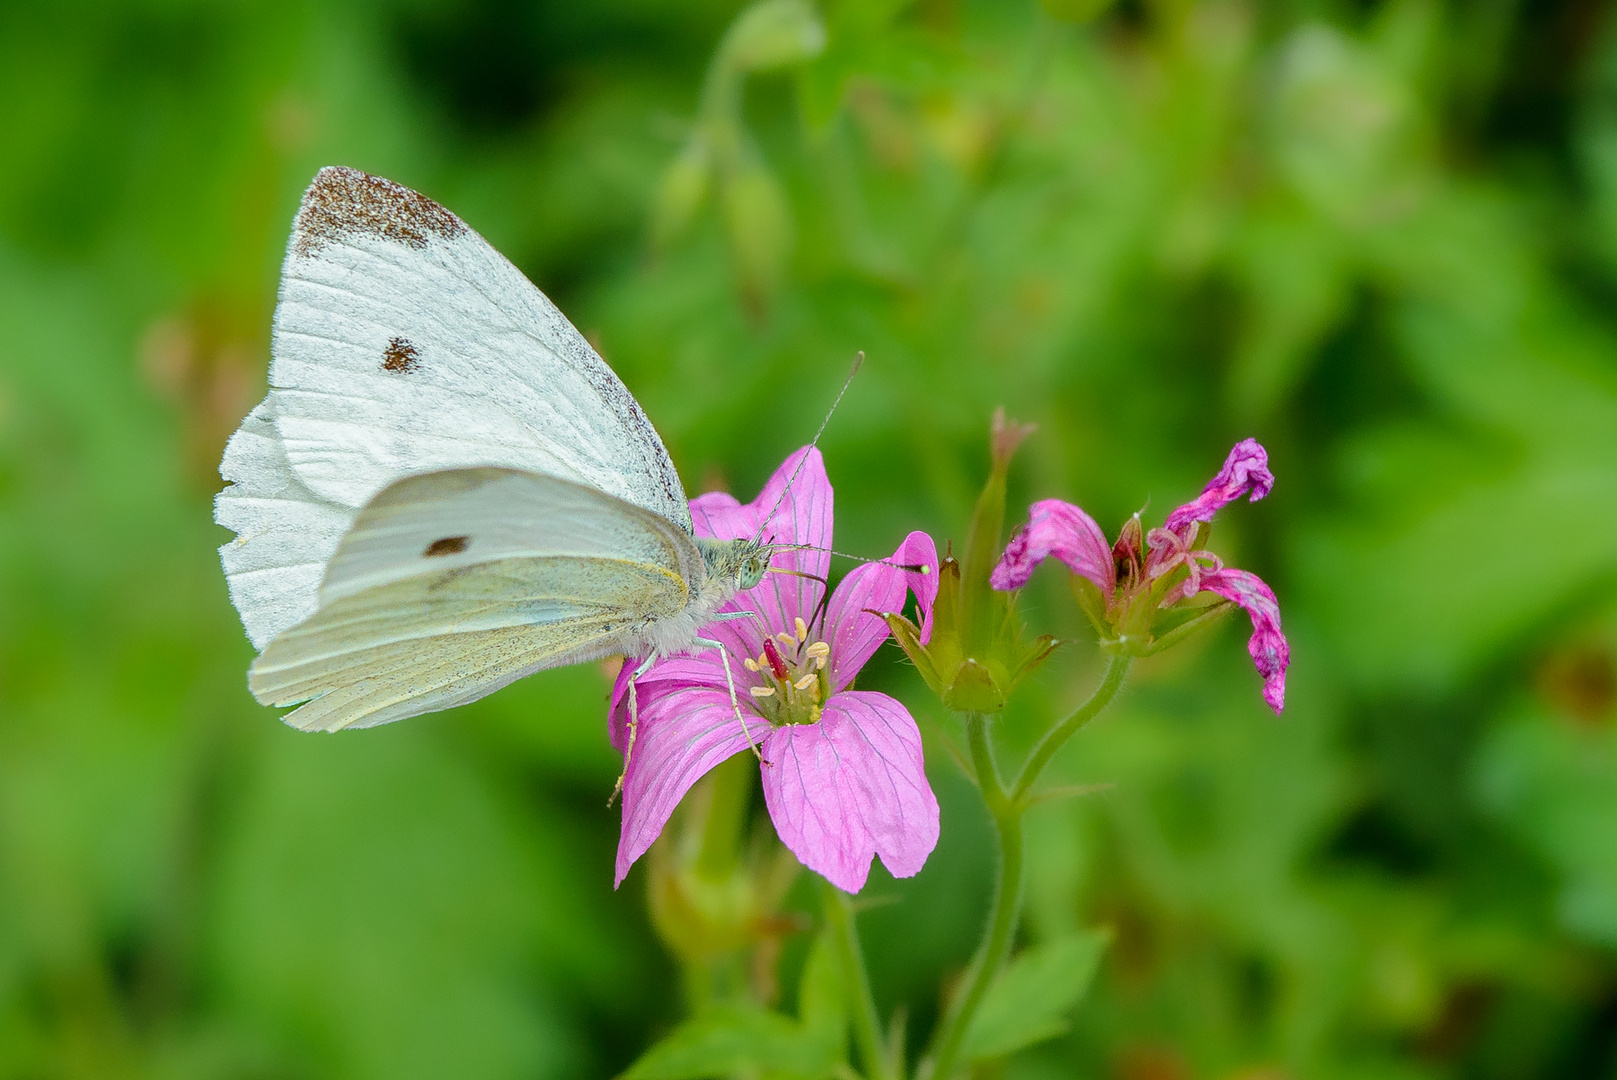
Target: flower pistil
column 795, row 683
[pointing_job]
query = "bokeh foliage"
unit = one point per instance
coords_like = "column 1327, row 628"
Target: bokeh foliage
column 1379, row 236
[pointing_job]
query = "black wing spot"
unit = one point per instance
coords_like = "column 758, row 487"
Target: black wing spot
column 401, row 357
column 449, row 545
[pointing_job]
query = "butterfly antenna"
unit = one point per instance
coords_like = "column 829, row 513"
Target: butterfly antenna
column 858, row 361
column 917, row 568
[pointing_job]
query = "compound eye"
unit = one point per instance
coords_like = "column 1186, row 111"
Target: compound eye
column 752, row 572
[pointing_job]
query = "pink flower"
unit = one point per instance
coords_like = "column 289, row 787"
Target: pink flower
column 1126, row 575
column 842, row 771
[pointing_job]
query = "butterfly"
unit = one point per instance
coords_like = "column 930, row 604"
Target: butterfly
column 446, row 488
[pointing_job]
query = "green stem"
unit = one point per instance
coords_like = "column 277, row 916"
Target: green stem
column 1058, row 736
column 724, row 820
column 1007, row 810
column 1007, row 902
column 856, row 982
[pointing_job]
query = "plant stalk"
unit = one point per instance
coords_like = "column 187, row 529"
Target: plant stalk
column 1007, row 902
column 856, row 982
column 1058, row 736
column 1007, row 810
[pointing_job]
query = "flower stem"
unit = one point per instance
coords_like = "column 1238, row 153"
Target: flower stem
column 1007, row 901
column 1007, row 810
column 1058, row 736
column 856, row 982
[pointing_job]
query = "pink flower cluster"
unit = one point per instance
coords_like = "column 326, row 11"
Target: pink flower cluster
column 1062, row 531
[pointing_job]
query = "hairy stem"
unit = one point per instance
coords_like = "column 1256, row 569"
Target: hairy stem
column 1007, row 902
column 856, row 983
column 1058, row 735
column 1007, row 810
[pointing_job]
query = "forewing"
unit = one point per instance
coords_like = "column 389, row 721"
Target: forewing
column 405, row 343
column 451, row 585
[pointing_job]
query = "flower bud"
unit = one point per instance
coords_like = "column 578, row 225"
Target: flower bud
column 681, row 191
column 976, row 655
column 773, row 33
column 759, row 225
column 1129, row 551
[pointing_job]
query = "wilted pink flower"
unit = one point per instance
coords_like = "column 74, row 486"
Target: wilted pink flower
column 842, row 771
column 1061, row 530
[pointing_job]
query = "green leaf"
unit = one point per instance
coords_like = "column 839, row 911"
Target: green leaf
column 748, row 1039
column 726, row 1040
column 1030, row 1000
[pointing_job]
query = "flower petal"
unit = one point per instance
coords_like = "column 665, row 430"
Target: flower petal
column 918, row 549
column 1267, row 646
column 685, row 731
column 803, row 516
column 718, row 515
column 852, row 786
column 1062, row 530
column 1245, row 470
column 702, row 668
column 853, row 634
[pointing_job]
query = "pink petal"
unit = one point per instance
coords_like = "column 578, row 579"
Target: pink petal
column 1267, row 646
column 802, row 517
column 1062, row 530
column 703, row 668
column 853, row 634
column 1245, row 470
column 852, row 786
column 685, row 731
column 919, row 550
column 718, row 515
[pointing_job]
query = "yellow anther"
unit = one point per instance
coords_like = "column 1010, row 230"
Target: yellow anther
column 750, row 664
column 819, row 663
column 806, row 681
column 802, row 629
column 762, row 691
column 786, row 639
column 819, row 650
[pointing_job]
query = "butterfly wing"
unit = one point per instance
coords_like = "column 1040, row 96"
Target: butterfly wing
column 404, row 343
column 285, row 533
column 452, row 584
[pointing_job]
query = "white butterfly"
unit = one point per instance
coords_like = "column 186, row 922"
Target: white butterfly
column 445, row 489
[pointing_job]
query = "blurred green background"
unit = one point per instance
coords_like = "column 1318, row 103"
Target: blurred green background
column 1379, row 235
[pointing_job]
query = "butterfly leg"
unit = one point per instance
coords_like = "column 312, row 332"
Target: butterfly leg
column 729, row 681
column 634, row 725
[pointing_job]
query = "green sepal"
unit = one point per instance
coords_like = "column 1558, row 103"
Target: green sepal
column 974, row 689
column 908, row 636
column 1036, row 654
column 1091, row 603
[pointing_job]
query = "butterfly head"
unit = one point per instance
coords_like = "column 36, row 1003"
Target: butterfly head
column 752, row 570
column 741, row 563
